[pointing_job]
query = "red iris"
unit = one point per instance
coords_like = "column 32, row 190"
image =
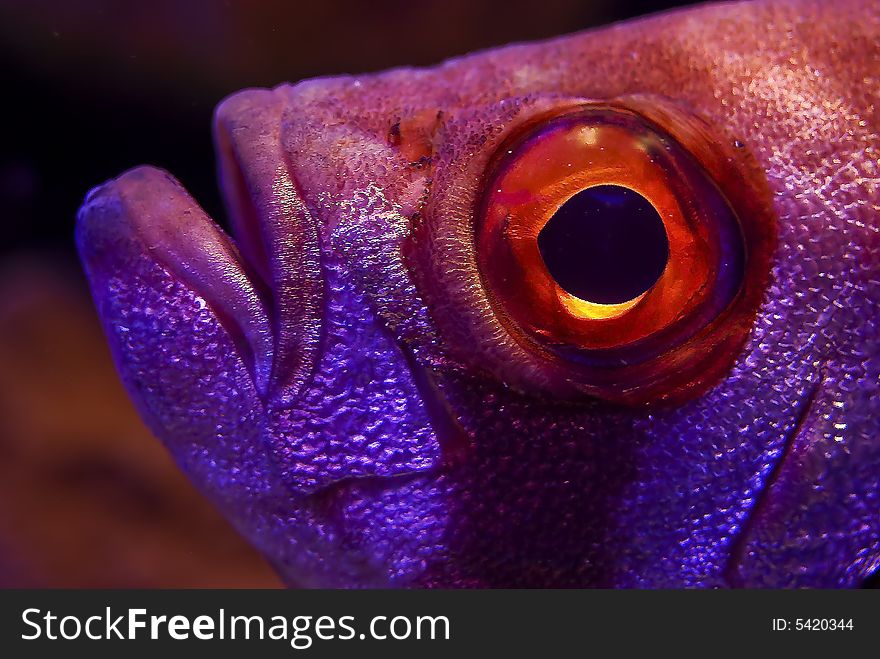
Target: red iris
column 570, row 200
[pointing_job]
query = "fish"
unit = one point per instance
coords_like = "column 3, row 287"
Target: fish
column 407, row 364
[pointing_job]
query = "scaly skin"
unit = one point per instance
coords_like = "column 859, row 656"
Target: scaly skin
column 336, row 381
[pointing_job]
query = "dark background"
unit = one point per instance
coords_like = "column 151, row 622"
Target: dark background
column 94, row 87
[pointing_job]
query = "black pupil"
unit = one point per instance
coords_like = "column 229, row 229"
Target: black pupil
column 607, row 244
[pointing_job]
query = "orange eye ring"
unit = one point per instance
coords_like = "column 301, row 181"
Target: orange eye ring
column 715, row 261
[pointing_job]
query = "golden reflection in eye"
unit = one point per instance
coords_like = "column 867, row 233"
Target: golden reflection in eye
column 606, row 245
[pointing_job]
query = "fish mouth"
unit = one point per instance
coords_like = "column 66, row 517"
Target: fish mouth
column 264, row 282
column 146, row 215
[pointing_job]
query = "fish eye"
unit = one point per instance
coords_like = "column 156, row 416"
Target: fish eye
column 626, row 252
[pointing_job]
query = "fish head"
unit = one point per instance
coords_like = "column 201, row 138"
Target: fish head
column 380, row 381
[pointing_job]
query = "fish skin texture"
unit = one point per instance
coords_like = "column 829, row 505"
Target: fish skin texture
column 336, row 381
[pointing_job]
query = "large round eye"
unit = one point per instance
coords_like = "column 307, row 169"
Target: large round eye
column 607, row 246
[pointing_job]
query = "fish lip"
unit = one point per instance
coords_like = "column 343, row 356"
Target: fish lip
column 275, row 230
column 241, row 211
column 145, row 213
